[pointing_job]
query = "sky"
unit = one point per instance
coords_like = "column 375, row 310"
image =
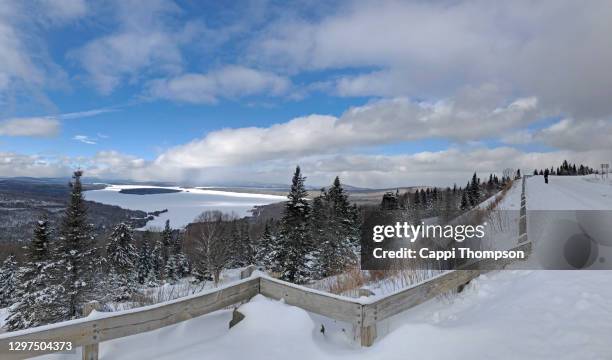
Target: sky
column 381, row 93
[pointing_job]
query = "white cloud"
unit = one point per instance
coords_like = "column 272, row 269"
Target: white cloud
column 558, row 51
column 85, row 139
column 35, row 126
column 578, row 135
column 468, row 117
column 13, row 164
column 228, row 82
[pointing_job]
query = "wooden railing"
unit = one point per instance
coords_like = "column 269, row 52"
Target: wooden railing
column 363, row 314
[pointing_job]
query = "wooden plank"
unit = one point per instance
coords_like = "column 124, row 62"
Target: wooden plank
column 80, row 334
column 170, row 314
column 404, row 300
column 307, row 299
column 89, row 332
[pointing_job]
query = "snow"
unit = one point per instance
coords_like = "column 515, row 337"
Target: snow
column 4, row 313
column 568, row 193
column 504, row 315
column 184, row 206
column 564, row 209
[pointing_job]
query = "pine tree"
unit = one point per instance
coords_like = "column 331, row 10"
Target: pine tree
column 184, row 268
column 474, row 191
column 166, row 237
column 172, row 270
column 144, row 267
column 266, row 249
column 39, row 292
column 335, row 230
column 464, row 201
column 8, row 280
column 120, row 251
column 121, row 256
column 77, row 252
column 295, row 242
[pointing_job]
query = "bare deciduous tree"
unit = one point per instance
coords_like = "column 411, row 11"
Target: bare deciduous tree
column 212, row 243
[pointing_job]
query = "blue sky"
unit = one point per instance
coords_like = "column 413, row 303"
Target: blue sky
column 382, row 93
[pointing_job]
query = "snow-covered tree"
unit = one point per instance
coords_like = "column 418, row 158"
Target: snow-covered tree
column 121, row 258
column 144, row 266
column 172, row 270
column 77, row 251
column 8, row 276
column 295, row 241
column 157, row 261
column 266, row 248
column 120, row 251
column 335, row 232
column 166, row 240
column 464, row 201
column 39, row 293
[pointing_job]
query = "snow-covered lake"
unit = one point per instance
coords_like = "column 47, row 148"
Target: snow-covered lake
column 184, row 205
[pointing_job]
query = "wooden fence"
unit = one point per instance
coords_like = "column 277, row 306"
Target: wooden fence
column 363, row 314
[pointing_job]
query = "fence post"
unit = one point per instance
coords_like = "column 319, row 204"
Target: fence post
column 90, row 352
column 367, row 333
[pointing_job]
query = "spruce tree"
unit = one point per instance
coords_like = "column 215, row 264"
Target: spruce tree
column 145, row 262
column 39, row 293
column 464, row 201
column 474, row 191
column 295, row 242
column 77, row 251
column 8, row 281
column 265, row 253
column 121, row 256
column 335, row 231
column 166, row 238
column 182, row 264
column 157, row 260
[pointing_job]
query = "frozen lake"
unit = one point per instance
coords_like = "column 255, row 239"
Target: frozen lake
column 184, row 205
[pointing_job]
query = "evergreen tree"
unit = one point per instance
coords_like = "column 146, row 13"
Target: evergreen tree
column 183, row 266
column 120, row 251
column 172, row 270
column 166, row 238
column 144, row 266
column 121, row 256
column 295, row 242
column 39, row 293
column 77, row 252
column 474, row 191
column 157, row 260
column 335, row 228
column 266, row 249
column 8, row 281
column 464, row 201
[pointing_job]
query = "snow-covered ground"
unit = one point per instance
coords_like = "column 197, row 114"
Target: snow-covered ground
column 183, row 206
column 568, row 193
column 505, row 315
column 569, row 221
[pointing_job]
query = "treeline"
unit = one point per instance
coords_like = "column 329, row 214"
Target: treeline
column 446, row 202
column 566, row 169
